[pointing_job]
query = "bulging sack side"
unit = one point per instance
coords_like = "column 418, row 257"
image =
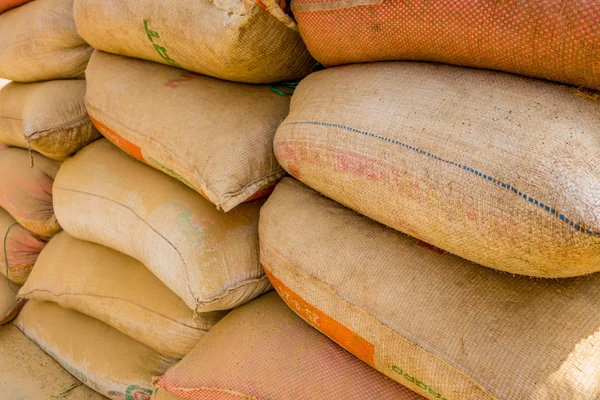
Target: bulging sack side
column 101, row 357
column 39, row 42
column 48, row 117
column 214, row 136
column 207, row 257
column 442, row 326
column 22, row 249
column 549, row 40
column 26, row 191
column 118, row 290
column 496, row 168
column 236, row 40
column 262, row 350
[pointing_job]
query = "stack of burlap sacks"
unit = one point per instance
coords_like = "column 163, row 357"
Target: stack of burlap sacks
column 500, row 170
column 43, row 120
column 167, row 227
column 160, row 216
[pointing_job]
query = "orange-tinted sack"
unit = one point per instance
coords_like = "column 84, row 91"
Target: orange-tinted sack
column 555, row 40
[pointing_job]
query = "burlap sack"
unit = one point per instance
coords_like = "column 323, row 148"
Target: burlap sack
column 552, row 40
column 207, row 257
column 26, row 192
column 39, row 42
column 212, row 135
column 443, row 326
column 236, row 40
column 22, row 249
column 6, row 5
column 262, row 350
column 117, row 290
column 101, row 357
column 48, row 117
column 496, row 168
column 9, row 305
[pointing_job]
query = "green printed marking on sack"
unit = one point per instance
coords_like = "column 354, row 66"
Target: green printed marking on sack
column 417, row 382
column 133, row 392
column 161, row 50
column 171, row 172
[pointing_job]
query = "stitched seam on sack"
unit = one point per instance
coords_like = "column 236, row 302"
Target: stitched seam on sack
column 72, row 124
column 231, row 289
column 258, row 180
column 543, row 206
column 171, row 154
column 323, row 286
column 150, row 226
column 24, row 295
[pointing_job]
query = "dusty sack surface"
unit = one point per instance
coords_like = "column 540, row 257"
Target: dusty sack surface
column 550, row 40
column 212, row 135
column 22, row 249
column 27, row 373
column 262, row 350
column 48, row 117
column 496, row 168
column 118, row 290
column 39, row 42
column 207, row 257
column 442, row 326
column 26, row 192
column 237, row 41
column 121, row 367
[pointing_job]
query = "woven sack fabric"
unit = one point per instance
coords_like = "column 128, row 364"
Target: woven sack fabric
column 101, row 357
column 262, row 350
column 6, row 5
column 235, row 40
column 26, row 191
column 499, row 169
column 39, row 42
column 207, row 257
column 118, row 290
column 214, row 136
column 48, row 117
column 442, row 326
column 22, row 249
column 9, row 305
column 555, row 40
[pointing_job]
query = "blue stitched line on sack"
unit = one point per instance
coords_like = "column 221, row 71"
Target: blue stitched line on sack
column 461, row 166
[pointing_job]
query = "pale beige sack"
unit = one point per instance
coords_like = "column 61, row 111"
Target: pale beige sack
column 439, row 324
column 39, row 42
column 22, row 249
column 26, row 190
column 48, row 117
column 214, row 136
column 235, row 40
column 207, row 257
column 262, row 350
column 117, row 290
column 9, row 305
column 101, row 357
column 496, row 168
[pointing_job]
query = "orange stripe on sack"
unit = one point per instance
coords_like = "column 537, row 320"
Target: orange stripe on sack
column 343, row 336
column 261, row 193
column 119, row 141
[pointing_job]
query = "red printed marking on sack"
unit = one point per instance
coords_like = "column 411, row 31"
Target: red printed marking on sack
column 349, row 340
column 119, row 141
column 185, row 77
